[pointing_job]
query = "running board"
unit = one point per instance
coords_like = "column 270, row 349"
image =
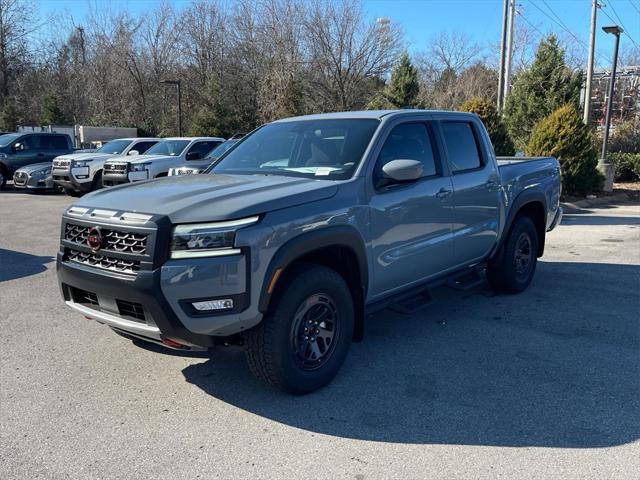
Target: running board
column 468, row 281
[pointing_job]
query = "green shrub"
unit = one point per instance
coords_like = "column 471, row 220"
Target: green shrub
column 489, row 115
column 625, row 137
column 627, row 166
column 563, row 135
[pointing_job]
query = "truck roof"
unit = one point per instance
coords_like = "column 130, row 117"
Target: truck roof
column 372, row 114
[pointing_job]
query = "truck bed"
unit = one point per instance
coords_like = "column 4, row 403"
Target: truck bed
column 519, row 173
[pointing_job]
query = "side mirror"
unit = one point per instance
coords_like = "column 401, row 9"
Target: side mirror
column 17, row 147
column 398, row 171
column 194, row 156
column 133, row 152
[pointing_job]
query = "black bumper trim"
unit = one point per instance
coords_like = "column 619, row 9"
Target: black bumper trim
column 144, row 288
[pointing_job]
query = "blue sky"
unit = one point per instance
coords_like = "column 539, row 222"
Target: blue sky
column 479, row 19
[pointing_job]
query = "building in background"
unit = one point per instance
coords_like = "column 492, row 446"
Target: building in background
column 626, row 101
column 85, row 136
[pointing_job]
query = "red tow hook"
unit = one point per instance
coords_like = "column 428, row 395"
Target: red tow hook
column 173, row 344
column 88, row 318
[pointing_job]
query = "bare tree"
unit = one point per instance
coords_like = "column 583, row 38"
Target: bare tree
column 345, row 52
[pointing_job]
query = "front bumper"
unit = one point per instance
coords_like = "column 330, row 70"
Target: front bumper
column 26, row 180
column 113, row 179
column 77, row 178
column 164, row 294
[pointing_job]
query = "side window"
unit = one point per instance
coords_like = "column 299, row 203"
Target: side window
column 409, row 141
column 142, row 147
column 54, row 143
column 461, row 145
column 31, row 142
column 202, row 148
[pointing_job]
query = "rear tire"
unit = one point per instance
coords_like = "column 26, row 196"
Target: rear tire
column 72, row 193
column 304, row 338
column 513, row 269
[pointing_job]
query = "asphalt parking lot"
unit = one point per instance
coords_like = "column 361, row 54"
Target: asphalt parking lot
column 545, row 384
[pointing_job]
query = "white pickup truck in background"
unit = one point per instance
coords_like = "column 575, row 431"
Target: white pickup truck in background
column 169, row 153
column 82, row 172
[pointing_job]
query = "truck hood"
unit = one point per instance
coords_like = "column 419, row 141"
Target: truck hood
column 142, row 158
column 206, row 198
column 86, row 156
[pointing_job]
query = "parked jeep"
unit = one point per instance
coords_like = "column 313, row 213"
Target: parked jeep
column 307, row 224
column 22, row 149
column 158, row 160
column 82, row 171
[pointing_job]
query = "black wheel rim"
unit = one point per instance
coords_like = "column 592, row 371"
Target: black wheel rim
column 315, row 331
column 523, row 256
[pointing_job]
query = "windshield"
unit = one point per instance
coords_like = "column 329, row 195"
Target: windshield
column 115, row 147
column 220, row 149
column 172, row 148
column 309, row 148
column 8, row 138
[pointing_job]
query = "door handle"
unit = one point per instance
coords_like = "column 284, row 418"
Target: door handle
column 443, row 193
column 491, row 185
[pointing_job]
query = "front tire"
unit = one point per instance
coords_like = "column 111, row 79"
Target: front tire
column 513, row 269
column 304, row 338
column 3, row 177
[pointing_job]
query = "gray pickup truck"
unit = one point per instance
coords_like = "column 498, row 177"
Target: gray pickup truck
column 291, row 237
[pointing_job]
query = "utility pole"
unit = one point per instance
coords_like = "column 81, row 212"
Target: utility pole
column 503, row 48
column 606, row 167
column 507, row 68
column 592, row 46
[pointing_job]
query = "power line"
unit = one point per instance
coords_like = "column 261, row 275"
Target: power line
column 566, row 29
column 634, row 6
column 624, row 28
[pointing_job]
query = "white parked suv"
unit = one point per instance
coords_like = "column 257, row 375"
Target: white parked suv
column 82, row 172
column 169, row 153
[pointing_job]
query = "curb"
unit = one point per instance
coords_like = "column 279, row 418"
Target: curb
column 620, row 198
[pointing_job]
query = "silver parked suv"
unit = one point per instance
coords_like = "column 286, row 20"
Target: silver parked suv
column 82, row 172
column 289, row 238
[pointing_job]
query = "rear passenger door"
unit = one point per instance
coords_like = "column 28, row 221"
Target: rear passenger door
column 476, row 187
column 52, row 146
column 411, row 223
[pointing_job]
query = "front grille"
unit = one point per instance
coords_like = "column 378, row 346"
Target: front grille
column 61, row 164
column 20, row 178
column 84, row 297
column 130, row 309
column 114, row 240
column 103, row 261
column 116, row 168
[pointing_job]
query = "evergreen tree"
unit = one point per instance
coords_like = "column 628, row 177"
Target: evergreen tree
column 539, row 90
column 563, row 135
column 217, row 118
column 403, row 88
column 51, row 112
column 488, row 113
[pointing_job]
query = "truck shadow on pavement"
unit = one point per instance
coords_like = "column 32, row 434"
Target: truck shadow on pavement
column 15, row 264
column 557, row 366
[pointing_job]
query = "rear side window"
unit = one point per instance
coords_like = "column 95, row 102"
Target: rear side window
column 462, row 146
column 54, row 143
column 409, row 141
column 204, row 147
column 142, row 147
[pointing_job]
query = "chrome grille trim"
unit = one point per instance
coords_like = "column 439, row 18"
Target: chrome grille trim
column 103, row 261
column 115, row 240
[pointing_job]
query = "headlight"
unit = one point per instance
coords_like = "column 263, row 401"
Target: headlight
column 139, row 167
column 82, row 163
column 207, row 239
column 43, row 172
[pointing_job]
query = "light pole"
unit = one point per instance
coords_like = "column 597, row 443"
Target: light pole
column 606, row 167
column 177, row 84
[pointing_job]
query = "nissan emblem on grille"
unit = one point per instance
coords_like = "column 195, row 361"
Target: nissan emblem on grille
column 94, row 238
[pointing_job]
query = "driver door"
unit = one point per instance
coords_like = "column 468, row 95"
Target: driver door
column 411, row 223
column 26, row 151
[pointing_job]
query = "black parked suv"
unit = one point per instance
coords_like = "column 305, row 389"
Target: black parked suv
column 22, row 149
